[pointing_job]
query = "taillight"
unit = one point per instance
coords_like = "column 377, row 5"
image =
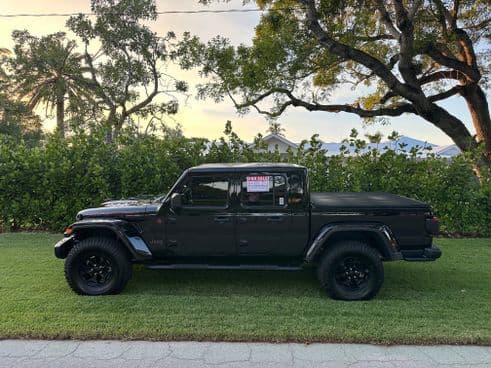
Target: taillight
column 433, row 225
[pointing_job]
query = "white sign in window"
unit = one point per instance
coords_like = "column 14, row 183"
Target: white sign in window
column 257, row 184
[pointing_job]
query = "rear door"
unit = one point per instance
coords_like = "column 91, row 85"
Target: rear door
column 265, row 217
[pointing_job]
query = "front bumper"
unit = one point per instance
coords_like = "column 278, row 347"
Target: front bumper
column 63, row 247
column 422, row 255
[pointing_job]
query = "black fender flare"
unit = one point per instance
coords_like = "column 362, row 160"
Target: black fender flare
column 382, row 233
column 126, row 233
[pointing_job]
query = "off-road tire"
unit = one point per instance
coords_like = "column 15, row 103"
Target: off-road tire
column 114, row 265
column 343, row 263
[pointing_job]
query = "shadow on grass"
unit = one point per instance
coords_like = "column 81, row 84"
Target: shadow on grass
column 220, row 282
column 402, row 280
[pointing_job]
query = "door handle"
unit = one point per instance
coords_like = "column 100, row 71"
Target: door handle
column 275, row 219
column 242, row 219
column 222, row 219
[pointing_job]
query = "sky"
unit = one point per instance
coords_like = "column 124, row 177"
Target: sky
column 206, row 118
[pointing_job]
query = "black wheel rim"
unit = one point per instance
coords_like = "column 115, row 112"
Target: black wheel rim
column 353, row 273
column 95, row 270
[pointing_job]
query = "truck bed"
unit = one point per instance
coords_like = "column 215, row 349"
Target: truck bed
column 343, row 201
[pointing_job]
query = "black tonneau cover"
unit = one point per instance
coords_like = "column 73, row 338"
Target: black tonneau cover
column 364, row 201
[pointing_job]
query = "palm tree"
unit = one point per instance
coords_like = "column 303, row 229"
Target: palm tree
column 48, row 71
column 276, row 128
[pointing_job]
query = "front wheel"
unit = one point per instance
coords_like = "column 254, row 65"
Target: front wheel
column 351, row 270
column 97, row 266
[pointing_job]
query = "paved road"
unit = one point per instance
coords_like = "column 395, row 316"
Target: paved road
column 136, row 354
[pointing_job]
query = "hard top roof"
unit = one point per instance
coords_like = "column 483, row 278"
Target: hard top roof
column 245, row 167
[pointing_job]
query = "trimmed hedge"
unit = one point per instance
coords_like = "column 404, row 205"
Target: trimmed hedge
column 44, row 187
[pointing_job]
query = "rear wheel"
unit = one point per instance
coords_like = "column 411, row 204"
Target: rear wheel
column 97, row 266
column 351, row 270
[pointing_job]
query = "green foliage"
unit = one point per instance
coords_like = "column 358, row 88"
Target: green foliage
column 44, row 187
column 16, row 118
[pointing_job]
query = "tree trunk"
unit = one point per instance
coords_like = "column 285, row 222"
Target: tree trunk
column 108, row 135
column 116, row 131
column 456, row 130
column 60, row 114
column 109, row 124
column 118, row 125
column 479, row 109
column 451, row 126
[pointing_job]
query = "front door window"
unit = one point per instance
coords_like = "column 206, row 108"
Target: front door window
column 206, row 191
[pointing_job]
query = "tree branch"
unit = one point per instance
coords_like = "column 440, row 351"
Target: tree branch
column 435, row 54
column 150, row 97
column 378, row 37
column 385, row 18
column 445, row 12
column 395, row 110
column 441, row 96
column 344, row 51
column 465, row 43
column 455, row 11
column 93, row 74
column 406, row 41
column 414, row 9
column 442, row 74
column 387, row 97
column 479, row 25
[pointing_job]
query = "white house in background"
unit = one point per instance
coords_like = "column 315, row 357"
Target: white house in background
column 280, row 143
column 403, row 144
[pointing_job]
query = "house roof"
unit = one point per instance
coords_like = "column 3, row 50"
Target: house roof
column 280, row 138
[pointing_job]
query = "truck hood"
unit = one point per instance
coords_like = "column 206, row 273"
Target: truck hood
column 120, row 210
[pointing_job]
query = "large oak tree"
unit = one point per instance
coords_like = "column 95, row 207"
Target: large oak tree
column 410, row 54
column 127, row 72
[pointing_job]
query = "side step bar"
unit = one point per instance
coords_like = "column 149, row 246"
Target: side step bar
column 223, row 267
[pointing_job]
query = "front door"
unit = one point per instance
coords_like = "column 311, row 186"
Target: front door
column 204, row 226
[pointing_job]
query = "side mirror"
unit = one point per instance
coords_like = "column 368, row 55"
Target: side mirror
column 176, row 201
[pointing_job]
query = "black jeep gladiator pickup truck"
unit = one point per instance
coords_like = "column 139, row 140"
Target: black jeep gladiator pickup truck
column 255, row 216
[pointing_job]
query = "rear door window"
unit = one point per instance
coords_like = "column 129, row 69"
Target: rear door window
column 296, row 189
column 264, row 191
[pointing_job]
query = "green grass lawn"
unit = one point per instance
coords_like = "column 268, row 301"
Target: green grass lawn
column 447, row 301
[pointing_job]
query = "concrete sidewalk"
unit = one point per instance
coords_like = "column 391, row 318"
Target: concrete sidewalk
column 135, row 354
